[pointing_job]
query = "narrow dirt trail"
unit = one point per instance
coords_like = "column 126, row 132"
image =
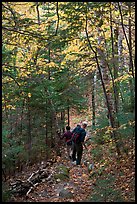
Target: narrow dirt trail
column 75, row 188
column 78, row 185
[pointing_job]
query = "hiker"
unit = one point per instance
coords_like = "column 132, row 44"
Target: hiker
column 77, row 127
column 68, row 136
column 78, row 137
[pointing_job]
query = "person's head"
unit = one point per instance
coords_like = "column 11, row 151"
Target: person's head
column 84, row 124
column 67, row 127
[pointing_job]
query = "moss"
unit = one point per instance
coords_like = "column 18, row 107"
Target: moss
column 63, row 173
column 60, row 176
column 63, row 169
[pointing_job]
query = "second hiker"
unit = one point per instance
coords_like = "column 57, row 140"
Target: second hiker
column 68, row 136
column 78, row 138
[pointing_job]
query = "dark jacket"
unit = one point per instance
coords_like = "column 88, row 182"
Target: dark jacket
column 82, row 132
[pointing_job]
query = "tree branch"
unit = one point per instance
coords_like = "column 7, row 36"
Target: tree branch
column 8, row 75
column 37, row 8
column 123, row 24
column 25, row 33
column 58, row 20
column 9, row 8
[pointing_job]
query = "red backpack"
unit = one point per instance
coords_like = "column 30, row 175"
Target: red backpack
column 76, row 137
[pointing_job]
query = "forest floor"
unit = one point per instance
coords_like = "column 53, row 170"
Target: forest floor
column 73, row 187
column 73, row 183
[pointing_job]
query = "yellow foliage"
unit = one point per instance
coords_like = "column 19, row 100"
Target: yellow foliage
column 122, row 78
column 51, row 64
column 72, row 48
column 63, row 63
column 23, row 73
column 28, row 72
column 41, row 72
column 70, row 57
column 29, row 95
column 7, row 79
column 10, row 107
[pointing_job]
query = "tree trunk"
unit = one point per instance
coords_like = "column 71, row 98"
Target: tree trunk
column 120, row 51
column 129, row 44
column 115, row 59
column 114, row 41
column 29, row 139
column 68, row 116
column 106, row 79
column 21, row 122
column 93, row 98
column 131, row 68
column 11, row 124
column 46, row 132
column 103, row 71
column 63, row 121
column 68, row 111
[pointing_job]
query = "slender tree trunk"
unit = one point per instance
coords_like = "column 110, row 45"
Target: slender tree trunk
column 120, row 60
column 46, row 131
column 68, row 116
column 131, row 67
column 63, row 121
column 129, row 44
column 105, row 77
column 109, row 99
column 35, row 56
column 93, row 98
column 11, row 124
column 38, row 14
column 103, row 71
column 115, row 58
column 29, row 139
column 22, row 111
column 114, row 41
column 49, row 53
column 120, row 51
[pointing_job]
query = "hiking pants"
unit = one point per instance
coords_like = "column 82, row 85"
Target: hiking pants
column 77, row 153
column 69, row 149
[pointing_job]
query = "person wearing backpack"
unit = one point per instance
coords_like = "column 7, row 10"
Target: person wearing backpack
column 76, row 128
column 68, row 139
column 78, row 138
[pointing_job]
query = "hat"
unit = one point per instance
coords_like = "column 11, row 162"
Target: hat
column 84, row 123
